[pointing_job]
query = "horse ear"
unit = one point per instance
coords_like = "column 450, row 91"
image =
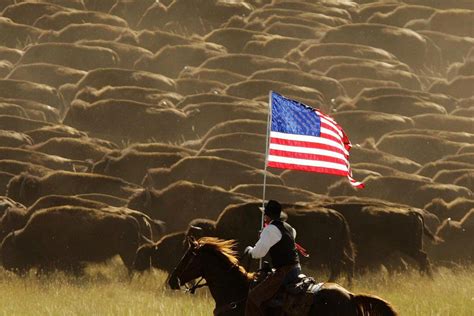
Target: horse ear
column 192, row 241
column 195, row 231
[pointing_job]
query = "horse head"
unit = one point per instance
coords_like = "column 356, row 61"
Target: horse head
column 205, row 255
column 188, row 268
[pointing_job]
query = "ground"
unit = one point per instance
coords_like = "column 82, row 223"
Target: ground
column 107, row 290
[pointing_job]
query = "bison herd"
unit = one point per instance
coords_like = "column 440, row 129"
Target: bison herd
column 127, row 125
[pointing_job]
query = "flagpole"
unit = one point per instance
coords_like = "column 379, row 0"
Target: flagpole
column 266, row 161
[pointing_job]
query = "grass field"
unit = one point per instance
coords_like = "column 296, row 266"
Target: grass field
column 107, row 290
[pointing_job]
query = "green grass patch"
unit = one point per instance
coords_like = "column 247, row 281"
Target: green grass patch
column 108, row 290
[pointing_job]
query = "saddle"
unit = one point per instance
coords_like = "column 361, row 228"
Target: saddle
column 296, row 298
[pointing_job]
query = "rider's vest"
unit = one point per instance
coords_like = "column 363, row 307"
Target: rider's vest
column 284, row 251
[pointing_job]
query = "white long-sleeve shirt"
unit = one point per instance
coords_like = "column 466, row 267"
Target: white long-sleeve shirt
column 270, row 235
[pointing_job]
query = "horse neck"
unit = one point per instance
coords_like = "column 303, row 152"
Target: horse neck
column 226, row 284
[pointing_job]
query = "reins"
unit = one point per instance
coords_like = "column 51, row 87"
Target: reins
column 229, row 306
column 196, row 286
column 233, row 305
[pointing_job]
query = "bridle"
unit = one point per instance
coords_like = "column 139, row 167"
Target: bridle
column 223, row 308
column 196, row 286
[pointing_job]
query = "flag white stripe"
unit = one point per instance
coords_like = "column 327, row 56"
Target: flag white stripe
column 332, row 126
column 308, row 150
column 306, row 162
column 355, row 183
column 329, row 132
column 330, row 119
column 310, row 139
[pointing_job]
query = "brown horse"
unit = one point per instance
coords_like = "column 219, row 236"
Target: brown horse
column 214, row 260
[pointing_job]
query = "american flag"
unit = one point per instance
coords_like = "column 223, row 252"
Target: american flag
column 304, row 138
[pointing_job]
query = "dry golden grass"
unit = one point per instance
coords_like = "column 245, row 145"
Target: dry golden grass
column 107, row 290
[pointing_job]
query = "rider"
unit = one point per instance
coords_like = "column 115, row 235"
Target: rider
column 278, row 238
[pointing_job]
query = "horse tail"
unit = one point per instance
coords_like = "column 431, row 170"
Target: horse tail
column 370, row 305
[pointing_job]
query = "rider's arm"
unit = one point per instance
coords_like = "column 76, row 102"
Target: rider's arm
column 293, row 232
column 270, row 235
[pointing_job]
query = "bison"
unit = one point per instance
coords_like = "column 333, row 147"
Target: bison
column 128, row 54
column 164, row 254
column 223, row 76
column 455, row 209
column 16, row 35
column 329, row 87
column 204, row 116
column 70, row 55
column 73, row 148
column 251, row 158
column 36, row 110
column 379, row 230
column 28, row 12
column 48, row 74
column 83, row 31
column 444, row 122
column 419, row 148
column 390, row 38
column 190, row 200
column 432, row 168
column 20, row 89
column 284, row 194
column 354, row 86
column 14, row 139
column 16, row 167
column 43, row 134
column 119, row 120
column 361, row 124
column 410, row 190
column 17, row 217
column 149, row 96
column 458, row 246
column 399, row 104
column 209, row 171
column 67, row 237
column 27, row 188
column 448, row 102
column 171, row 60
column 132, row 165
column 61, row 19
column 29, row 156
column 246, row 64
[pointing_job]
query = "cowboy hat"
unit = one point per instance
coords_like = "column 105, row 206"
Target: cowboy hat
column 273, row 210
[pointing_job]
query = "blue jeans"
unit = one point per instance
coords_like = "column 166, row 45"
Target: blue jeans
column 292, row 275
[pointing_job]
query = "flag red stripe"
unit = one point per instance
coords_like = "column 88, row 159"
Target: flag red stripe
column 306, row 168
column 298, row 143
column 298, row 155
column 331, row 128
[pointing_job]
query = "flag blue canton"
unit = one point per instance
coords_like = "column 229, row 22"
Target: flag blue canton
column 292, row 117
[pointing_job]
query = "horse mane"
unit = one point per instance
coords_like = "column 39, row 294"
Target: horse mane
column 226, row 248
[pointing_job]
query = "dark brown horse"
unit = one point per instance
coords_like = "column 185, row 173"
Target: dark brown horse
column 214, row 260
